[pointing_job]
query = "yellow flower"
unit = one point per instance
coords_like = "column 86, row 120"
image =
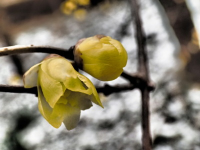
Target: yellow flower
column 67, row 7
column 101, row 56
column 80, row 14
column 62, row 91
column 84, row 2
column 81, row 2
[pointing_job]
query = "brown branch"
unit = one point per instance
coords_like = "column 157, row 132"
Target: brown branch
column 144, row 72
column 14, row 58
column 138, row 80
column 106, row 90
column 141, row 41
column 18, row 89
column 19, row 49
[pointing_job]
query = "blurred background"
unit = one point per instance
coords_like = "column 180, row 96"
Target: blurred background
column 172, row 28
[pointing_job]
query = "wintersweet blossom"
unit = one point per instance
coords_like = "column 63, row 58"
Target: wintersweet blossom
column 62, row 91
column 101, row 56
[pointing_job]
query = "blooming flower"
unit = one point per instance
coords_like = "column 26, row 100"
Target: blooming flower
column 62, row 91
column 101, row 56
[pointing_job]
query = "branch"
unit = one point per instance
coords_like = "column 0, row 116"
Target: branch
column 144, row 72
column 19, row 49
column 138, row 80
column 14, row 58
column 18, row 89
column 106, row 90
column 135, row 82
column 141, row 41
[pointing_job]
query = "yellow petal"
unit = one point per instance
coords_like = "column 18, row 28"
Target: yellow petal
column 107, row 51
column 70, row 115
column 122, row 52
column 103, row 72
column 94, row 97
column 30, row 77
column 101, row 49
column 105, row 40
column 51, row 88
column 90, row 43
column 80, row 100
column 59, row 69
column 46, row 110
column 63, row 99
column 76, row 85
column 114, row 61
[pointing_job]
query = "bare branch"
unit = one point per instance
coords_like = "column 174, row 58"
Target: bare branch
column 19, row 49
column 106, row 90
column 14, row 58
column 18, row 89
column 138, row 80
column 144, row 72
column 141, row 41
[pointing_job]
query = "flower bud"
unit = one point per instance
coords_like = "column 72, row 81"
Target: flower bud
column 62, row 91
column 101, row 56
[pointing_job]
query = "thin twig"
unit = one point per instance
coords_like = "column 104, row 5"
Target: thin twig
column 14, row 58
column 144, row 72
column 138, row 80
column 141, row 41
column 17, row 89
column 19, row 49
column 106, row 90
